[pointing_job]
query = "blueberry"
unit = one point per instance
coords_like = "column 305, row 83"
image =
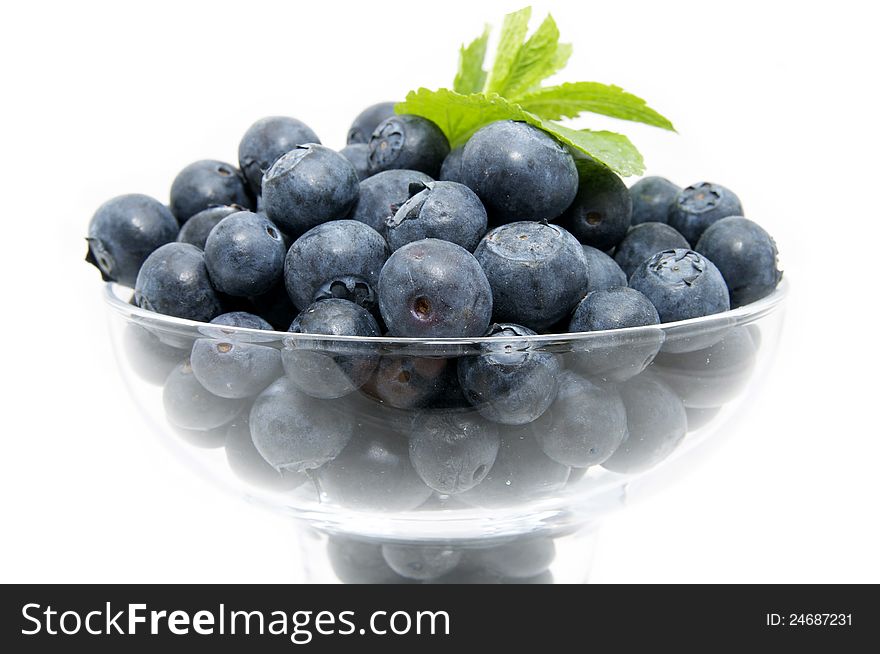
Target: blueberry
column 745, row 254
column 421, row 562
column 450, row 171
column 519, row 172
column 189, row 405
column 711, row 376
column 367, row 121
column 584, row 426
column 248, row 465
column 244, row 254
column 352, row 288
column 204, row 439
column 329, row 252
column 452, row 451
column 195, row 230
column 537, row 272
column 699, row 418
column 520, row 558
column 265, row 141
column 124, row 231
column 700, row 205
column 174, row 281
column 511, row 383
column 602, row 211
column 412, row 382
column 656, row 422
column 522, row 472
column 293, row 431
column 241, row 319
column 150, row 358
column 381, row 195
column 358, row 155
column 308, row 186
column 233, row 368
column 651, row 197
column 322, row 369
column 681, row 284
column 205, row 184
column 360, row 562
column 373, row 473
column 434, row 289
column 408, row 142
column 614, row 356
column 613, row 308
column 645, row 240
column 602, row 271
column 444, row 210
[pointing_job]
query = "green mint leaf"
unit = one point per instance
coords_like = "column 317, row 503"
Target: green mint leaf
column 569, row 100
column 471, row 77
column 609, row 148
column 540, row 57
column 513, row 33
column 456, row 114
column 459, row 116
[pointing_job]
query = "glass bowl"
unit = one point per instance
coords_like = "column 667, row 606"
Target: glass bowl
column 372, row 442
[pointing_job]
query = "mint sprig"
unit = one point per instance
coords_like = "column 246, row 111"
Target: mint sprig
column 512, row 91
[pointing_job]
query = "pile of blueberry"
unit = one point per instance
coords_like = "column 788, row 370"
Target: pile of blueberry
column 507, row 236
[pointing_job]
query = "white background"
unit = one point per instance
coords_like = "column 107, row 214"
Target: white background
column 776, row 100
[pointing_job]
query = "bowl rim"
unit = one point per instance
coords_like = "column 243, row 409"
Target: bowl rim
column 741, row 315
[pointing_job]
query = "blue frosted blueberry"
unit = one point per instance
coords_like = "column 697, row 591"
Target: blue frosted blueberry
column 244, row 254
column 382, row 194
column 651, row 197
column 232, row 368
column 602, row 271
column 408, row 142
column 521, row 558
column 325, row 369
column 681, row 284
column 293, row 431
column 522, row 472
column 584, row 426
column 189, row 405
column 613, row 356
column 246, row 462
column 698, row 206
column 360, row 562
column 241, row 319
column 208, row 183
column 124, row 231
column 602, row 210
column 450, row 171
column 645, row 240
column 656, row 424
column 445, row 210
column 434, row 289
column 265, row 141
column 150, row 358
column 519, row 172
column 333, row 251
column 195, row 230
column 373, row 473
column 174, row 281
column 745, row 254
column 537, row 272
column 452, row 451
column 367, row 121
column 421, row 562
column 308, row 186
column 414, row 382
column 511, row 383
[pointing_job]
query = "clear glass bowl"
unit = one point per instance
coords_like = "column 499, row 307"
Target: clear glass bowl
column 635, row 408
